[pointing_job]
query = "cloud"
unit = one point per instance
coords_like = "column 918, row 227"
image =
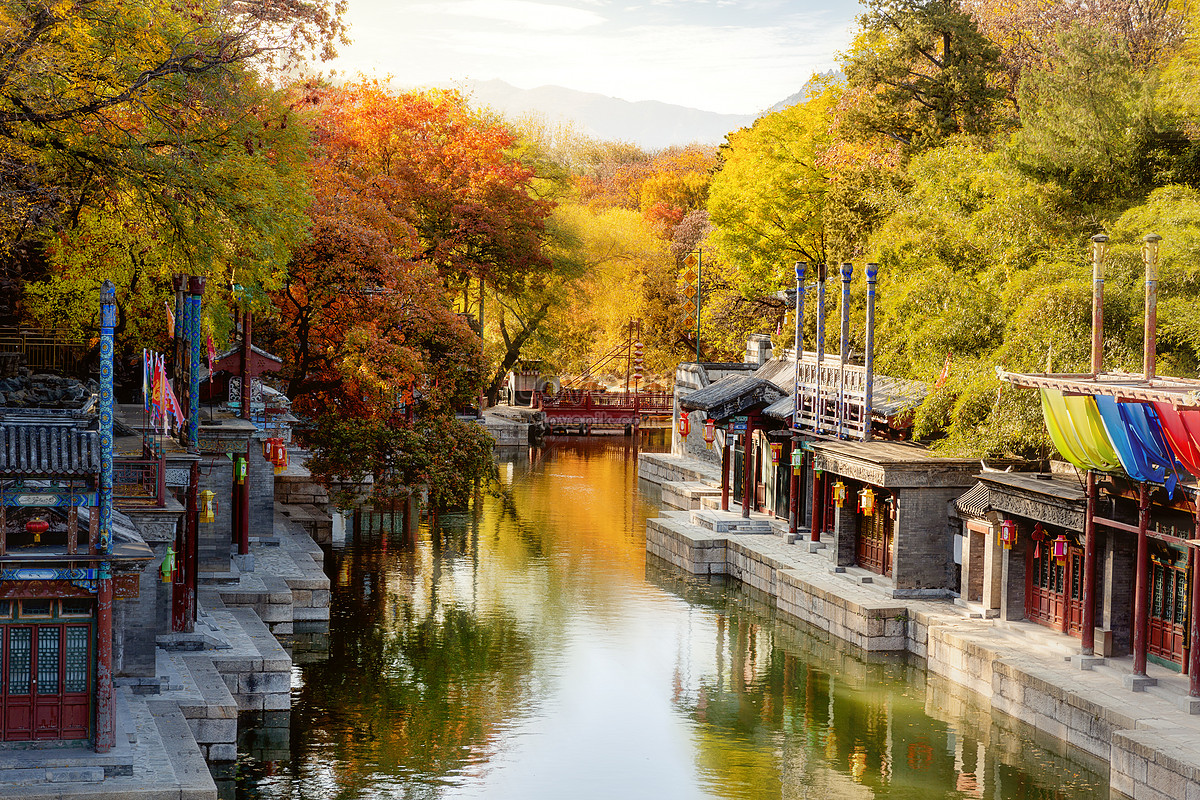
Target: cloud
column 518, row 13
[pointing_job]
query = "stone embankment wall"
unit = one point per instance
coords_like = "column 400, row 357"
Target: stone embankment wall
column 1150, row 743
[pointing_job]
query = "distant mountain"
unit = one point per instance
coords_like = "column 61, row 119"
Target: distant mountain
column 799, row 96
column 648, row 123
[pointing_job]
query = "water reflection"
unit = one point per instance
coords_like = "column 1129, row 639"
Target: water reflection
column 527, row 649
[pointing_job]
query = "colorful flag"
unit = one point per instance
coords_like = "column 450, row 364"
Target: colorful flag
column 212, row 353
column 170, row 320
column 945, row 376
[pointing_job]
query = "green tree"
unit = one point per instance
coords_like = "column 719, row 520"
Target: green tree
column 918, row 73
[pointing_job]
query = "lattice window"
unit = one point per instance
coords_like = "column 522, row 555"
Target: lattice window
column 76, row 658
column 47, row 659
column 20, row 659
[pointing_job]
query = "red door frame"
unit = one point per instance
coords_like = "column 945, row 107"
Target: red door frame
column 36, row 716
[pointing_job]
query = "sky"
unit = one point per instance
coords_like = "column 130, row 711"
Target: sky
column 727, row 56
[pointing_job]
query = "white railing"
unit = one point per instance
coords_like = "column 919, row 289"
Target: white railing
column 831, row 399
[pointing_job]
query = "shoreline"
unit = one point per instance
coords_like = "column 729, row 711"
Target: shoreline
column 1018, row 668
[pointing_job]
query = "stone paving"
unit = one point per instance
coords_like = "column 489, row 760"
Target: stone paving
column 169, row 729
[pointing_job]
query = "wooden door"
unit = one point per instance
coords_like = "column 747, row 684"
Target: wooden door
column 45, row 683
column 1168, row 608
column 873, row 546
column 1054, row 591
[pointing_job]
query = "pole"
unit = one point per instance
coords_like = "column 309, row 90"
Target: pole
column 747, row 464
column 725, row 472
column 817, row 407
column 246, row 351
column 1099, row 250
column 1150, row 257
column 1141, row 587
column 847, row 274
column 800, row 267
column 195, row 336
column 1088, row 634
column 105, row 735
column 818, row 506
column 793, row 487
column 869, row 356
column 699, row 295
column 1194, row 623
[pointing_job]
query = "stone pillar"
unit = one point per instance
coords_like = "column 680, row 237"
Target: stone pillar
column 993, row 570
column 261, row 483
column 845, row 529
column 923, row 543
column 216, row 476
column 1117, row 596
column 1013, row 580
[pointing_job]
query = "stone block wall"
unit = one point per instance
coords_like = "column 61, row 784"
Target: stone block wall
column 261, row 478
column 216, row 537
column 924, row 540
column 1115, row 570
column 843, row 539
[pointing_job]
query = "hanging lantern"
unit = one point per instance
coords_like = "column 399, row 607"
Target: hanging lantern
column 168, row 565
column 268, row 446
column 866, row 502
column 208, row 506
column 710, row 433
column 839, row 494
column 1038, row 534
column 1058, row 548
column 1008, row 534
column 776, row 452
column 281, row 457
column 685, row 427
column 37, row 526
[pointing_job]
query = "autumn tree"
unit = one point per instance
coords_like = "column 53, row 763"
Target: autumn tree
column 142, row 138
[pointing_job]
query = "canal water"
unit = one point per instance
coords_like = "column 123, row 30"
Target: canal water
column 529, row 648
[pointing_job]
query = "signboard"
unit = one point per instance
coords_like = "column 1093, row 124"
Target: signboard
column 738, row 423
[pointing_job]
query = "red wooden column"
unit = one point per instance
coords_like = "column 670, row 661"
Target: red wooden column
column 818, row 507
column 1141, row 584
column 725, row 473
column 105, row 728
column 1194, row 624
column 747, row 466
column 1088, row 634
column 793, row 489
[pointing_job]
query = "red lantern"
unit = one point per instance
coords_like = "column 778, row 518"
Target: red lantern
column 1008, row 534
column 776, row 452
column 268, row 448
column 1058, row 548
column 1038, row 534
column 281, row 456
column 37, row 526
column 710, row 433
column 685, row 427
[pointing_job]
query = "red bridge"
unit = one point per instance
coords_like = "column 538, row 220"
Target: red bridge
column 582, row 408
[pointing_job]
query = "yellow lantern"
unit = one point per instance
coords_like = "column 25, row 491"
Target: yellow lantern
column 776, row 452
column 839, row 494
column 208, row 506
column 866, row 502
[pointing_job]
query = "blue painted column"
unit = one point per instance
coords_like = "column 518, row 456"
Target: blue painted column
column 105, row 729
column 195, row 338
column 820, row 399
column 799, row 341
column 108, row 321
column 847, row 274
column 869, row 357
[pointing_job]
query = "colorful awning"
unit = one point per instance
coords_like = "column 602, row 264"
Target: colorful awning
column 1097, row 432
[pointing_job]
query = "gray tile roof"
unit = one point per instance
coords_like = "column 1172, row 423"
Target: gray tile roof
column 731, row 395
column 34, row 450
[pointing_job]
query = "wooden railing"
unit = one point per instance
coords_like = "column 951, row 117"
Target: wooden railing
column 139, row 482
